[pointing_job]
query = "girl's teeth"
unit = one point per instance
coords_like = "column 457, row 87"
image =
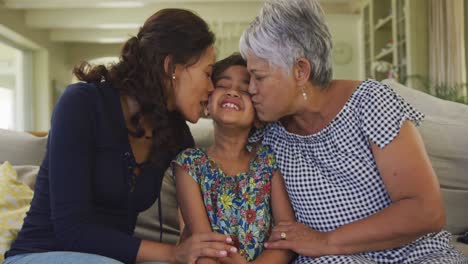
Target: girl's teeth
column 230, row 106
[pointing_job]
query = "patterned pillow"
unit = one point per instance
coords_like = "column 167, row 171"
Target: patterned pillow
column 15, row 198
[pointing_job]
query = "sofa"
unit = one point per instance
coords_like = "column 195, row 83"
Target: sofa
column 444, row 132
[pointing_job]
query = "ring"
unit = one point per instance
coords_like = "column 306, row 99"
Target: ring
column 283, row 236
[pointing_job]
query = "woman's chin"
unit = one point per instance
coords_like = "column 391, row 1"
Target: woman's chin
column 192, row 117
column 265, row 117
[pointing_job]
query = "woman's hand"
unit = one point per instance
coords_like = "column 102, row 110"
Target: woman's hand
column 299, row 238
column 202, row 245
column 233, row 258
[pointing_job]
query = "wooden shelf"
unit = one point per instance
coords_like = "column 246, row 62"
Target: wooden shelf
column 383, row 22
column 402, row 42
column 385, row 53
column 401, row 23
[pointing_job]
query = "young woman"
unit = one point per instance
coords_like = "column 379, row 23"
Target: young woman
column 112, row 137
column 229, row 187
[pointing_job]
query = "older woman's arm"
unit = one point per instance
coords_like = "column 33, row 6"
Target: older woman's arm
column 416, row 207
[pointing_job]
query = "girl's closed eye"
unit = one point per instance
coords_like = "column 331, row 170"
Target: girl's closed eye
column 244, row 92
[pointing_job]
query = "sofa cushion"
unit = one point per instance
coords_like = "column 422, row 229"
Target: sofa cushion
column 148, row 221
column 27, row 174
column 148, row 226
column 21, row 148
column 460, row 246
column 444, row 133
column 15, row 198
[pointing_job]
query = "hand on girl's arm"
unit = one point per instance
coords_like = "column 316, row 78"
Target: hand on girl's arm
column 188, row 251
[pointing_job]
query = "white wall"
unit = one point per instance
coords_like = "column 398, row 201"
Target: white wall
column 7, row 81
column 346, row 29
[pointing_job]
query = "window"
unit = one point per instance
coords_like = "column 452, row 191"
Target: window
column 15, row 88
column 6, row 108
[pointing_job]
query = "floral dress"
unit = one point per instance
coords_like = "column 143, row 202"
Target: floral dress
column 237, row 205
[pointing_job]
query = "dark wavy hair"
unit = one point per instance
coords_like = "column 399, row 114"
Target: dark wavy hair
column 220, row 66
column 140, row 73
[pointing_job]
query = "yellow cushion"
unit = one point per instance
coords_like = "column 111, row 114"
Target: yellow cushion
column 15, row 198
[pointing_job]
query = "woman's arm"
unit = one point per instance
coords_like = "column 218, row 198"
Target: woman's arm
column 282, row 212
column 71, row 152
column 193, row 209
column 412, row 185
column 416, row 207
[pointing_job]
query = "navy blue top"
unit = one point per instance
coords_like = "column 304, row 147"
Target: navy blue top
column 83, row 199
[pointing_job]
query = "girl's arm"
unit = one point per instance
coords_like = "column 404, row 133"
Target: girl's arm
column 282, row 212
column 184, row 232
column 192, row 207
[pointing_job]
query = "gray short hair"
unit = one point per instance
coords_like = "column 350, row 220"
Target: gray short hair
column 286, row 30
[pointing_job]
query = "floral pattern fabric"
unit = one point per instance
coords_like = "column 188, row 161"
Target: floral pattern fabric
column 237, row 205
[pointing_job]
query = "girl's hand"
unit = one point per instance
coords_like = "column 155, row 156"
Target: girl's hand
column 233, row 258
column 211, row 244
column 299, row 238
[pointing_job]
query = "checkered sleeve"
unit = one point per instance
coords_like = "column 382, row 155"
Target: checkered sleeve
column 382, row 113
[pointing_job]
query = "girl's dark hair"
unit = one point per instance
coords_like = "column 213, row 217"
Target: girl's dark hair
column 219, row 67
column 140, row 73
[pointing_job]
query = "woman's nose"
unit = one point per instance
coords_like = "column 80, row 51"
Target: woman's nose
column 252, row 88
column 210, row 87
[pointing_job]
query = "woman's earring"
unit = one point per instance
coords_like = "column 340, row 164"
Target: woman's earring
column 173, row 76
column 304, row 93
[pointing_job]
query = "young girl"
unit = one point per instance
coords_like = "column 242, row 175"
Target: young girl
column 228, row 187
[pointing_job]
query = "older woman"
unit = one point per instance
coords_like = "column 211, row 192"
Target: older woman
column 355, row 167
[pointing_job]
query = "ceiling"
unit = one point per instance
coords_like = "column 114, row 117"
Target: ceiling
column 113, row 21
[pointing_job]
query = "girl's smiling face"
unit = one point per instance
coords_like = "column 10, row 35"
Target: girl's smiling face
column 230, row 102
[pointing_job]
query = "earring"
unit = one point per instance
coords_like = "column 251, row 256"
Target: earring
column 173, row 76
column 304, row 93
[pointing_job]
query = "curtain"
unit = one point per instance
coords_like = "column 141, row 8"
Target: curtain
column 447, row 64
